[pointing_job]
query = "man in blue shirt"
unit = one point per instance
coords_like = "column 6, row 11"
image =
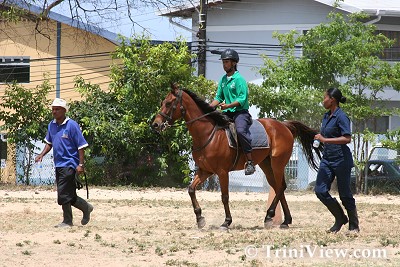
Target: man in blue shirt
column 65, row 137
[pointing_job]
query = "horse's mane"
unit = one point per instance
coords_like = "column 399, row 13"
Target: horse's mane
column 219, row 118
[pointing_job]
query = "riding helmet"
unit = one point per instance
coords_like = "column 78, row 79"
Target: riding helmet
column 230, row 54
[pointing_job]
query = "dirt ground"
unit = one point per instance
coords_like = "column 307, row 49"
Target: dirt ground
column 156, row 227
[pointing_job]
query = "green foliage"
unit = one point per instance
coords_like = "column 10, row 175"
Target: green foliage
column 392, row 140
column 12, row 14
column 116, row 122
column 25, row 114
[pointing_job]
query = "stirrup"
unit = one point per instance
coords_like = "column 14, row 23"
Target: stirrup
column 249, row 168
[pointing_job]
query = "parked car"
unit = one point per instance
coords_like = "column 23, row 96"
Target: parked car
column 383, row 174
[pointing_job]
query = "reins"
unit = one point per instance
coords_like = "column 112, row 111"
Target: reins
column 208, row 141
column 202, row 116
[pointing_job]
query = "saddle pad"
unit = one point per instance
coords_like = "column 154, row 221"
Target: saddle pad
column 259, row 137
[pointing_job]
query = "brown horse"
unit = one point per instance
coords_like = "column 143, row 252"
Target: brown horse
column 213, row 155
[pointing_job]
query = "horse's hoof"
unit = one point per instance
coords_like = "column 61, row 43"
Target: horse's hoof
column 201, row 222
column 284, row 226
column 224, row 228
column 268, row 223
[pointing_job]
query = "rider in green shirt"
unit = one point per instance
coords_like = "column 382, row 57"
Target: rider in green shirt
column 232, row 98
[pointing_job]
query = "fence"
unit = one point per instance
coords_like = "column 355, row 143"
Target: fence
column 31, row 173
column 382, row 173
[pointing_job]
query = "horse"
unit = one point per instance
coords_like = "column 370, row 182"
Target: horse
column 213, row 155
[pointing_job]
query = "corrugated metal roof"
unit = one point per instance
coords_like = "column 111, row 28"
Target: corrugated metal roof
column 112, row 37
column 390, row 8
column 385, row 7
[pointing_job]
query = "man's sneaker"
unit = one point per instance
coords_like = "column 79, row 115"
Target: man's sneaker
column 249, row 168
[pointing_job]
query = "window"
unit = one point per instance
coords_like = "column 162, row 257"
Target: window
column 375, row 125
column 392, row 53
column 14, row 69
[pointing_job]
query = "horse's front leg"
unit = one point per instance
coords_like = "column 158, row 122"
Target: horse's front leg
column 198, row 179
column 224, row 183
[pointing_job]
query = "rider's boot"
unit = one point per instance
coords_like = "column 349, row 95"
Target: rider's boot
column 249, row 167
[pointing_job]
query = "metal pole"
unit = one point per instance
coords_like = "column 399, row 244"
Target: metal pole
column 202, row 38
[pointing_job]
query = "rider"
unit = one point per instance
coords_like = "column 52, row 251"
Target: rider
column 232, row 97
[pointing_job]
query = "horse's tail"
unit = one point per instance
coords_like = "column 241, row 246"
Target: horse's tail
column 305, row 135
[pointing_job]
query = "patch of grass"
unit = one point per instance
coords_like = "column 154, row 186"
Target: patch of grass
column 106, row 244
column 26, row 252
column 87, row 233
column 385, row 241
column 97, row 237
column 174, row 248
column 57, row 241
column 256, row 263
column 19, row 244
column 159, row 251
column 229, row 251
column 180, row 263
column 71, row 244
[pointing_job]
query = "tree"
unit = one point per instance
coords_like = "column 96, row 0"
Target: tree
column 91, row 12
column 117, row 122
column 25, row 114
column 343, row 52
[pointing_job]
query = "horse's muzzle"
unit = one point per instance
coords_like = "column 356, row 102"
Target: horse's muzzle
column 156, row 126
column 159, row 127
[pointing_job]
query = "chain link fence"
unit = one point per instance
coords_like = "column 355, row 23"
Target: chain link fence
column 382, row 174
column 30, row 173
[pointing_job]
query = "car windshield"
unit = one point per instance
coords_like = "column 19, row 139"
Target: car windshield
column 395, row 166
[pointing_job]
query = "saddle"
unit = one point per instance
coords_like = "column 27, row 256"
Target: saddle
column 259, row 137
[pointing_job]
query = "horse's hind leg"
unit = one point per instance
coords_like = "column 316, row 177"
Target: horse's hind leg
column 279, row 187
column 286, row 211
column 200, row 177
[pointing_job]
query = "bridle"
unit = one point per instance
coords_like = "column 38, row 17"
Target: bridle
column 168, row 117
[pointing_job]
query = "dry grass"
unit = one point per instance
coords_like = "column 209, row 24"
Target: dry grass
column 156, row 227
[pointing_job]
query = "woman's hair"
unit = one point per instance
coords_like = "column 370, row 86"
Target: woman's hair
column 336, row 94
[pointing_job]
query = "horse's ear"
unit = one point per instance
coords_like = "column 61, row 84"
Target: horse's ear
column 174, row 87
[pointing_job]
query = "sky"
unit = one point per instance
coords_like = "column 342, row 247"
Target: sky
column 147, row 21
column 158, row 27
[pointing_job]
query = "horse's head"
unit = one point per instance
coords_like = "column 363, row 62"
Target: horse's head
column 169, row 109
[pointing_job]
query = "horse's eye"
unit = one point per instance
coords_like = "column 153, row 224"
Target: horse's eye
column 168, row 104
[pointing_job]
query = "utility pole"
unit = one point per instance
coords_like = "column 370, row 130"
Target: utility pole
column 202, row 48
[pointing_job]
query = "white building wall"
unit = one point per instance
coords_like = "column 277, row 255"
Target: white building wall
column 253, row 22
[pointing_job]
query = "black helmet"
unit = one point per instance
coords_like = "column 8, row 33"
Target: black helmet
column 230, row 54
